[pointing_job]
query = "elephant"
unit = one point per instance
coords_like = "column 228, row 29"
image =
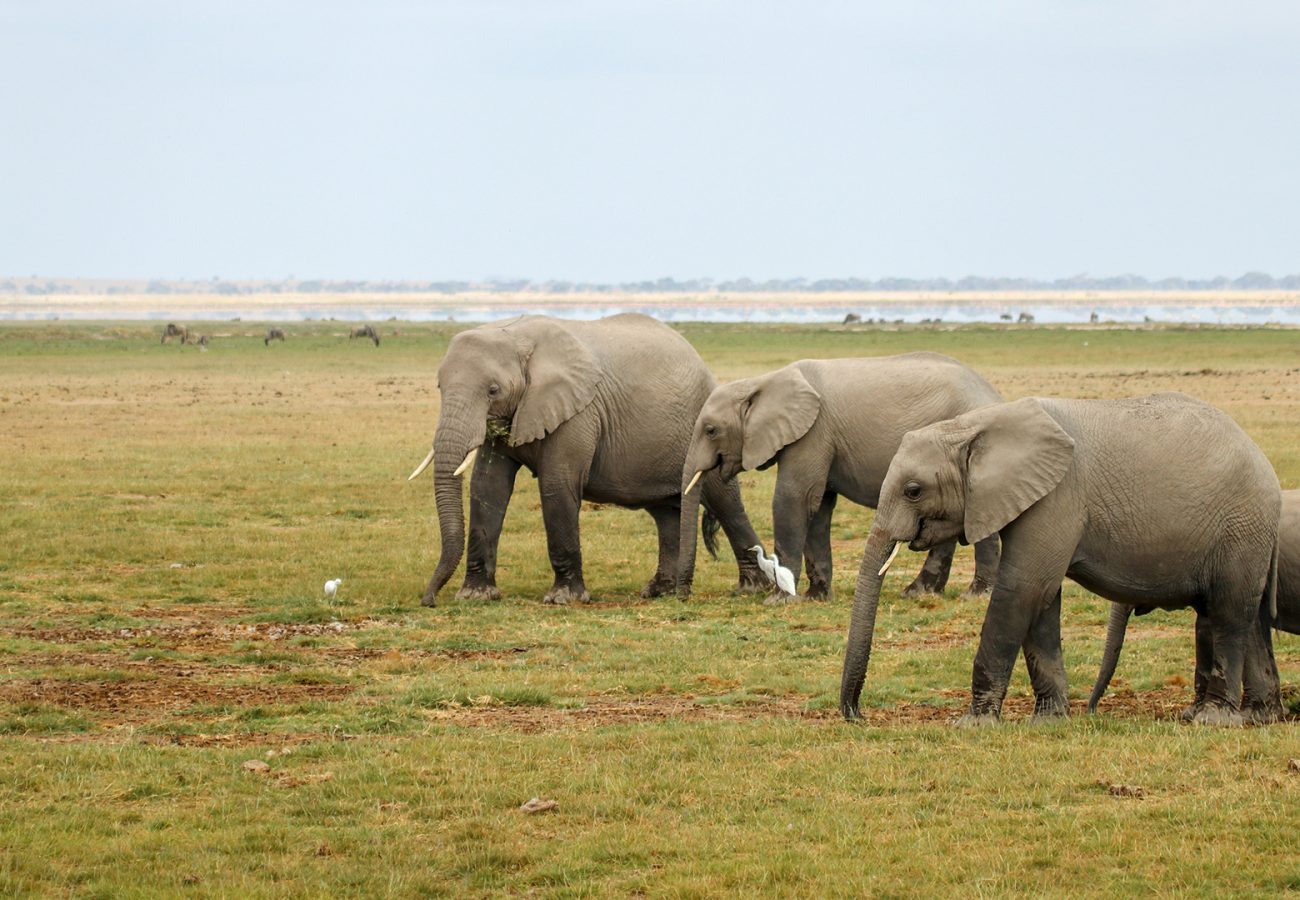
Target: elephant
column 597, row 410
column 365, row 331
column 830, row 426
column 173, row 330
column 1286, row 617
column 1026, row 318
column 1159, row 501
column 273, row 334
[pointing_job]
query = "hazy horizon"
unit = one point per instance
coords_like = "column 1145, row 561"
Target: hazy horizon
column 615, row 143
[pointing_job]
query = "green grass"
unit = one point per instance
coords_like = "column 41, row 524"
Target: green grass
column 693, row 748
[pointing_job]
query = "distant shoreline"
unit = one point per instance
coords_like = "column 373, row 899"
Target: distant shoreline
column 955, row 307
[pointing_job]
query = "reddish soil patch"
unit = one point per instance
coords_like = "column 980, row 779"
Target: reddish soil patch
column 155, row 688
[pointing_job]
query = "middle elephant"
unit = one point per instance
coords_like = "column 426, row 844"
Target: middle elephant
column 831, row 426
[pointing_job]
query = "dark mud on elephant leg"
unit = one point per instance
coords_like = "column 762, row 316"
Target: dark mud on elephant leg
column 933, row 577
column 561, row 503
column 1204, row 664
column 668, row 524
column 1261, row 701
column 817, row 550
column 491, row 486
column 1046, row 663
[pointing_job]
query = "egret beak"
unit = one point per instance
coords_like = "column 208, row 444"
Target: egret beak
column 422, row 466
column 692, row 484
column 892, row 554
column 469, row 461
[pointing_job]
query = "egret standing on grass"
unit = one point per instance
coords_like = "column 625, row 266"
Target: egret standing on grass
column 772, row 568
column 332, row 587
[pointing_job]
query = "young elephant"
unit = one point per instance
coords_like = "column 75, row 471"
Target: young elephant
column 831, row 426
column 1156, row 501
column 595, row 410
column 1285, row 618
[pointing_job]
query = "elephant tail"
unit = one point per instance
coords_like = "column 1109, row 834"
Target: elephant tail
column 709, row 526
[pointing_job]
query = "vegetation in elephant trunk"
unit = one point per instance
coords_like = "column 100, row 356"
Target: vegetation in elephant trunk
column 462, row 427
column 862, row 624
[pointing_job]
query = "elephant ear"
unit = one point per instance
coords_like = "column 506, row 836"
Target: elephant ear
column 780, row 411
column 561, row 375
column 1015, row 455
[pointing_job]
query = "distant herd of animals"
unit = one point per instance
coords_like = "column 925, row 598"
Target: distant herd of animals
column 1153, row 502
column 272, row 334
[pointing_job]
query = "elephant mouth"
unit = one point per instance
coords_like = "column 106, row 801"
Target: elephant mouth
column 918, row 542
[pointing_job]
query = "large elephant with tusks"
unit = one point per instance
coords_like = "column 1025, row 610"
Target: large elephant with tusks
column 596, row 411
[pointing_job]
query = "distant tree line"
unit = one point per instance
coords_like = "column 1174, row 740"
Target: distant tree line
column 1251, row 281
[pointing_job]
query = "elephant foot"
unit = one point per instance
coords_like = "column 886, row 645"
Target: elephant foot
column 1262, row 713
column 978, row 720
column 818, row 592
column 563, row 595
column 780, row 598
column 1052, row 709
column 658, row 586
column 977, row 588
column 429, row 600
column 752, row 581
column 479, row 592
column 1218, row 716
column 925, row 584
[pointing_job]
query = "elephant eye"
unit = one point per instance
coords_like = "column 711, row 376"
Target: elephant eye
column 710, row 430
column 912, row 490
column 494, row 389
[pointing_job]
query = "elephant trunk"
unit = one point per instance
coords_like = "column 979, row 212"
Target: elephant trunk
column 460, row 430
column 1116, row 626
column 862, row 624
column 689, row 535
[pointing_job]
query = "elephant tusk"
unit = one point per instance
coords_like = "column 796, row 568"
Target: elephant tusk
column 692, row 484
column 892, row 554
column 469, row 461
column 422, row 466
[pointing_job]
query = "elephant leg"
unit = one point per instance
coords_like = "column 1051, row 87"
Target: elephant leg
column 561, row 503
column 1222, row 704
column 793, row 506
column 1204, row 663
column 1261, row 700
column 1025, row 598
column 1046, row 663
column 986, row 567
column 723, row 499
column 817, row 549
column 667, row 521
column 491, row 486
column 933, row 577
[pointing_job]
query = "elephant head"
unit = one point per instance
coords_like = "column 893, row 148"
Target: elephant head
column 742, row 425
column 526, row 376
column 965, row 478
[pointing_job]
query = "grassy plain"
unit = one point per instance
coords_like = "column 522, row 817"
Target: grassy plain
column 168, row 517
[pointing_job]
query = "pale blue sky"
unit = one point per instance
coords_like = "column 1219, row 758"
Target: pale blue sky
column 615, row 141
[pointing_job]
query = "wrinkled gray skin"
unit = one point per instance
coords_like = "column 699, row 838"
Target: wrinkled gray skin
column 365, row 331
column 1159, row 501
column 173, row 330
column 1287, row 616
column 595, row 410
column 831, row 426
column 272, row 334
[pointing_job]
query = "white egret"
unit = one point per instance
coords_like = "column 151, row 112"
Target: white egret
column 332, row 587
column 782, row 577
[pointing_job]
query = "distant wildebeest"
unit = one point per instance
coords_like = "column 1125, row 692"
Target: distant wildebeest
column 363, row 332
column 1094, row 318
column 203, row 342
column 851, row 318
column 1005, row 317
column 1026, row 317
column 173, row 330
column 273, row 334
